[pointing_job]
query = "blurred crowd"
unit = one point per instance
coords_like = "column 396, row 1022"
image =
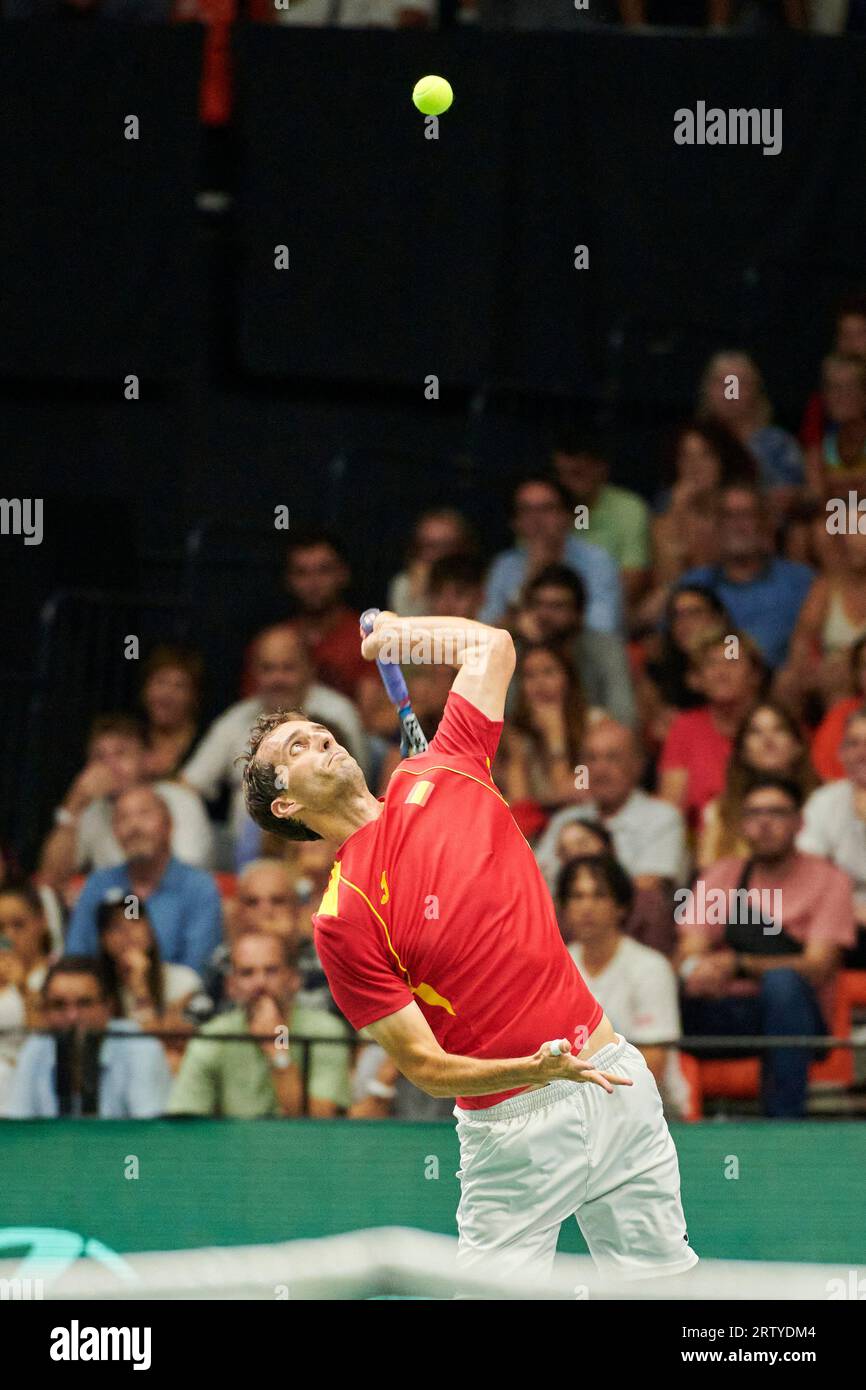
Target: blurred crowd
column 687, row 721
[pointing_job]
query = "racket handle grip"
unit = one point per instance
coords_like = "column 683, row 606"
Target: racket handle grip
column 392, row 676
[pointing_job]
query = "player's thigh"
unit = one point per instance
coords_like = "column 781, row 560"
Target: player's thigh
column 516, row 1188
column 632, row 1219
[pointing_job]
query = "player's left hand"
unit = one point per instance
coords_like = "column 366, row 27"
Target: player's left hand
column 564, row 1067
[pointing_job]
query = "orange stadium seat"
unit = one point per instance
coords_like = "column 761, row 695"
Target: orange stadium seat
column 739, row 1078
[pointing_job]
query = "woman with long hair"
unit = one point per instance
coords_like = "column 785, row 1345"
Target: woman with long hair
column 542, row 738
column 139, row 984
column 170, row 698
column 730, row 673
column 666, row 685
column 701, row 458
column 769, row 740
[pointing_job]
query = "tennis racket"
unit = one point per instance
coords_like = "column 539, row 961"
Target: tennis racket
column 412, row 738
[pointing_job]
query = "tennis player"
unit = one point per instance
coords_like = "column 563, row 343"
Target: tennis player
column 439, row 937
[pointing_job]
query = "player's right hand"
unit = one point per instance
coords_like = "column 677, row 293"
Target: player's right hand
column 565, row 1067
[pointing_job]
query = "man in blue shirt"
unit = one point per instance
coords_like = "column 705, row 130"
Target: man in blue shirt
column 115, row 1079
column 762, row 592
column 183, row 903
column 543, row 522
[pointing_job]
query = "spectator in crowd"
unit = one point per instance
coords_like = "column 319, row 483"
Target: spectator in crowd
column 440, row 534
column 832, row 619
column 769, row 971
column 733, row 393
column 648, row 834
column 264, row 1077
column 455, row 587
column 838, row 460
column 139, row 984
column 665, row 686
column 74, row 1072
column 650, row 919
column 543, row 522
column 635, row 985
column 277, row 896
column 830, row 732
column 768, row 742
column 541, row 739
column 762, row 592
column 729, row 672
column 283, row 678
column 850, row 341
column 83, row 836
column 170, row 698
column 834, row 824
column 701, row 459
column 182, row 902
column 25, row 952
column 317, row 576
column 358, row 14
column 553, row 611
column 612, row 517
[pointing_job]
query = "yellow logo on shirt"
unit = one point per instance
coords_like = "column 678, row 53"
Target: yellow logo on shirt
column 420, row 794
column 386, row 892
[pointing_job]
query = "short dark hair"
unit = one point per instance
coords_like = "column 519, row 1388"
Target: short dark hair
column 467, row 571
column 559, row 577
column 768, row 781
column 595, row 827
column 125, row 725
column 606, row 869
column 260, row 782
column 308, row 540
column 545, row 480
column 75, row 965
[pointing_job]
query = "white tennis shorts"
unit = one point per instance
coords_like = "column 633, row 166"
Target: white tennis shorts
column 571, row 1149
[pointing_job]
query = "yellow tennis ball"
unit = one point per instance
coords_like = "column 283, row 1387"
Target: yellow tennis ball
column 432, row 95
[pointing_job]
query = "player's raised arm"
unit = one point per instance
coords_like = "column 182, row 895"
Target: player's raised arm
column 484, row 655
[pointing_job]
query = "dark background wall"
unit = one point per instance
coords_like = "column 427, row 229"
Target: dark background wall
column 407, row 257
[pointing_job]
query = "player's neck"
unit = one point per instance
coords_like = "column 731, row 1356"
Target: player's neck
column 338, row 825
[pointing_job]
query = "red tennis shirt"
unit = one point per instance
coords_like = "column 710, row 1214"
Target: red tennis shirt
column 440, row 900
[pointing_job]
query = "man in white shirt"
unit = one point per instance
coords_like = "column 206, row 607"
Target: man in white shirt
column 284, row 679
column 636, row 986
column 83, row 837
column 648, row 834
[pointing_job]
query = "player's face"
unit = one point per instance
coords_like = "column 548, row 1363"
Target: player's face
column 315, row 772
